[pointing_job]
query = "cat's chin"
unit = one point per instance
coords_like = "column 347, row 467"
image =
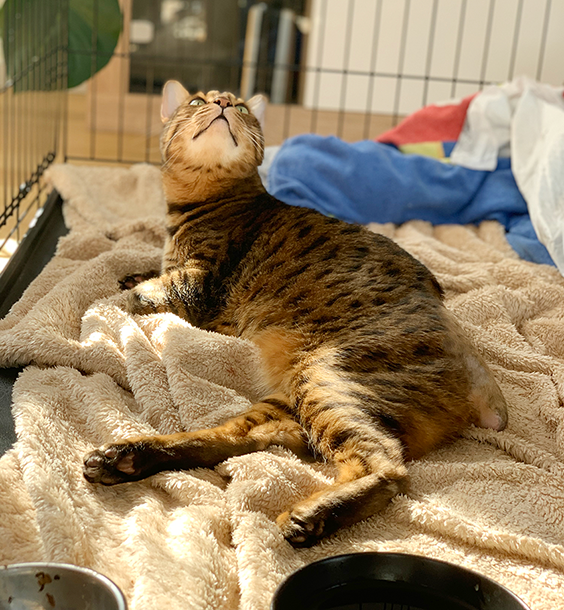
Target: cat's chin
column 220, row 129
column 216, row 144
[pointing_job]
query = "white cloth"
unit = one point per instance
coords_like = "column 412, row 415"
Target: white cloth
column 524, row 119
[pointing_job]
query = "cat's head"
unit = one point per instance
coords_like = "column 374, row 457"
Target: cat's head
column 211, row 130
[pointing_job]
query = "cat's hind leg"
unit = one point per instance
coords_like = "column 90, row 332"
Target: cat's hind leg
column 266, row 423
column 370, row 473
column 485, row 395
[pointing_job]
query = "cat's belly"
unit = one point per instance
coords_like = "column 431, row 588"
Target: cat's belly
column 355, row 319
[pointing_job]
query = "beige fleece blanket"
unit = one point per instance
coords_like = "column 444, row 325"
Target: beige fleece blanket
column 493, row 502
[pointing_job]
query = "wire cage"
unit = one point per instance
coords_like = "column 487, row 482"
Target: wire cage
column 350, row 68
column 33, row 101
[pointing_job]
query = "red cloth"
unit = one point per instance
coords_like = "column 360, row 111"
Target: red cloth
column 430, row 124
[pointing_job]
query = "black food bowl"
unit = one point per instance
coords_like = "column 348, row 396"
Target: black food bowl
column 381, row 581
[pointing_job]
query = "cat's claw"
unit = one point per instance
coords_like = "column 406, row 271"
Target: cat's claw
column 112, row 464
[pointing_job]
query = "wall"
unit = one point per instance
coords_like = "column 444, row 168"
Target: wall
column 430, row 43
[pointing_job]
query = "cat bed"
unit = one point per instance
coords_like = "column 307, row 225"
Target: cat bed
column 491, row 502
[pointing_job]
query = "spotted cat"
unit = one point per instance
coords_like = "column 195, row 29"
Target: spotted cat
column 365, row 367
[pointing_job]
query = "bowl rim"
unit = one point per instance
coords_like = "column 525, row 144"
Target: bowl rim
column 410, row 559
column 55, row 565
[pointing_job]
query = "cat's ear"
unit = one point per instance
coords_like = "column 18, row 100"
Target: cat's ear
column 257, row 105
column 173, row 95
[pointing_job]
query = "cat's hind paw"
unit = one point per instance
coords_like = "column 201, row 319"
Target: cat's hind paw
column 301, row 531
column 113, row 464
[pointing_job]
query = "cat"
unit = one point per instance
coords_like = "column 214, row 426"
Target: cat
column 365, row 366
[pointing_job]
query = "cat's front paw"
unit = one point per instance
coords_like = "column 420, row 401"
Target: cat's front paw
column 130, row 281
column 147, row 297
column 115, row 463
column 302, row 530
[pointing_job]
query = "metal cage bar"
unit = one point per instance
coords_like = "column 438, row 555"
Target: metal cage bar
column 32, row 102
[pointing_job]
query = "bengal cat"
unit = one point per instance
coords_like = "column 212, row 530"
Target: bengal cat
column 364, row 365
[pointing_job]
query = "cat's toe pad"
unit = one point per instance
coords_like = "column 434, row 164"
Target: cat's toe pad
column 110, row 465
column 301, row 530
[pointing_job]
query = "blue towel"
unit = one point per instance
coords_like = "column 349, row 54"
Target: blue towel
column 372, row 182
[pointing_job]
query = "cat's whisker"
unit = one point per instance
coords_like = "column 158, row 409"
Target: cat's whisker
column 255, row 140
column 172, row 160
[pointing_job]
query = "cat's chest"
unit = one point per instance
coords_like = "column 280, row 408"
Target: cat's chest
column 215, row 237
column 324, row 279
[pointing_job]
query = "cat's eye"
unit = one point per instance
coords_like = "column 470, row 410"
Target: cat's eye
column 197, row 102
column 242, row 109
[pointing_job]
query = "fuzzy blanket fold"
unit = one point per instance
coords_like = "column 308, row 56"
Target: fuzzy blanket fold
column 206, row 539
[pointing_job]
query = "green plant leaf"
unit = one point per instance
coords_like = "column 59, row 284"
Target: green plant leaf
column 39, row 34
column 88, row 54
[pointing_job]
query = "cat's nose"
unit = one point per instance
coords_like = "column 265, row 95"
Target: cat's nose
column 223, row 102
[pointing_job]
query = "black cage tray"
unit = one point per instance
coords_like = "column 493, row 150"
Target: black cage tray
column 34, row 252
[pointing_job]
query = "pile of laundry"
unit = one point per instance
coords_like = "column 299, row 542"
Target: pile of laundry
column 495, row 155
